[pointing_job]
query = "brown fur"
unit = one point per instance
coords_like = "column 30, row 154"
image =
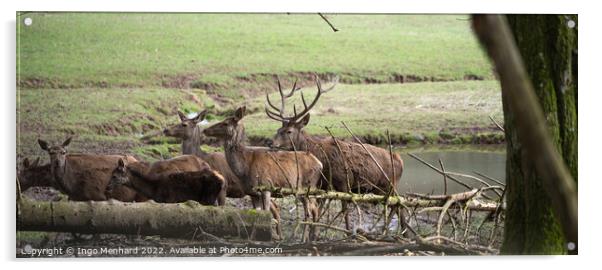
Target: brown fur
column 349, row 168
column 87, row 176
column 363, row 174
column 191, row 135
column 34, row 175
column 84, row 177
column 260, row 166
column 171, row 181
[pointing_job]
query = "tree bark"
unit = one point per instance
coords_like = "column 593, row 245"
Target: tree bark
column 179, row 220
column 540, row 118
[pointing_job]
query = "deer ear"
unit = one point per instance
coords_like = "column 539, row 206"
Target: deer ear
column 200, row 117
column 304, row 121
column 120, row 163
column 182, row 116
column 36, row 162
column 240, row 113
column 43, row 144
column 26, row 163
column 67, row 142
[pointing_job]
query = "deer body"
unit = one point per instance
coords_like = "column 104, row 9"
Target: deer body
column 171, row 181
column 351, row 163
column 348, row 167
column 262, row 167
column 84, row 177
column 191, row 135
column 34, row 175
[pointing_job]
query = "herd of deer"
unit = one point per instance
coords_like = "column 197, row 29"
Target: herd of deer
column 293, row 159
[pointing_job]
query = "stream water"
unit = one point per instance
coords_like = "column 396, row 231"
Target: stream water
column 419, row 178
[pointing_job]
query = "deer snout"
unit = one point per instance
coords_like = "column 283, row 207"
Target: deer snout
column 269, row 143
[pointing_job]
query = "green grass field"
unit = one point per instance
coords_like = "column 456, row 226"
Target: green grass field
column 114, row 49
column 111, row 78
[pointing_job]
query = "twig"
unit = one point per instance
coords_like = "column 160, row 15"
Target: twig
column 442, row 214
column 18, row 190
column 336, row 142
column 409, row 199
column 328, row 22
column 370, row 154
column 281, row 170
column 467, row 228
column 490, row 178
column 296, row 159
column 440, row 172
column 393, row 189
column 474, row 178
column 444, row 177
column 496, row 124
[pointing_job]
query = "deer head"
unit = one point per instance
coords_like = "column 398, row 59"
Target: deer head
column 119, row 176
column 29, row 173
column 58, row 153
column 229, row 128
column 289, row 134
column 185, row 129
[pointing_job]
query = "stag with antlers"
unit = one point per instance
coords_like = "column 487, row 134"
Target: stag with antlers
column 348, row 167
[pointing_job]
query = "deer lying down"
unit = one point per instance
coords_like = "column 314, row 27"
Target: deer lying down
column 261, row 166
column 171, row 181
column 31, row 174
column 191, row 134
column 84, row 177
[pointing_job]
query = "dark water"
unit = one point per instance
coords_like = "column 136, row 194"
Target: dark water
column 419, row 178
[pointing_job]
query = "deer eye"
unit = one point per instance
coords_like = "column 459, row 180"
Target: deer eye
column 289, row 132
column 63, row 152
column 184, row 124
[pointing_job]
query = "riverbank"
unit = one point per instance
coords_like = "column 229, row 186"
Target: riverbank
column 114, row 120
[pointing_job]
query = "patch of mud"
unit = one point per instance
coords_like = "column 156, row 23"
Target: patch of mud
column 178, row 81
column 50, row 83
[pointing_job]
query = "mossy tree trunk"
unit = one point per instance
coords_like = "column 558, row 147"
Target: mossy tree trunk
column 181, row 220
column 549, row 49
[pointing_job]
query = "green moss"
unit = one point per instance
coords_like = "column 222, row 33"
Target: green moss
column 157, row 151
column 32, row 236
column 191, row 204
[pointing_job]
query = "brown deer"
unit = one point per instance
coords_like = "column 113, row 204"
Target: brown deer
column 31, row 174
column 171, row 181
column 347, row 166
column 263, row 167
column 84, row 177
column 191, row 134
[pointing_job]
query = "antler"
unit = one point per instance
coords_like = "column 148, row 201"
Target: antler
column 296, row 116
column 279, row 115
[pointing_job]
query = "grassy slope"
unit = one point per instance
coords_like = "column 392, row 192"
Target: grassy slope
column 103, row 120
column 409, row 110
column 117, row 66
column 113, row 120
column 149, row 49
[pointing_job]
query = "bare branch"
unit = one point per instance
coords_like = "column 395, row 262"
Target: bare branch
column 328, row 22
column 496, row 124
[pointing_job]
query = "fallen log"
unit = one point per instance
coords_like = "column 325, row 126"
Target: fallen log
column 471, row 198
column 187, row 220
